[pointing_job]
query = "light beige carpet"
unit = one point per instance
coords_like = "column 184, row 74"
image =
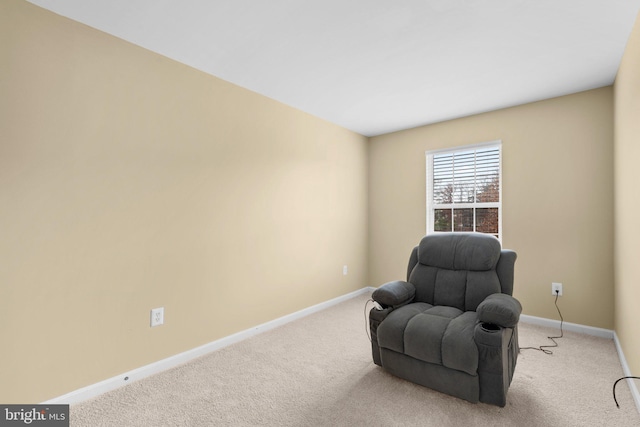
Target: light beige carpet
column 317, row 371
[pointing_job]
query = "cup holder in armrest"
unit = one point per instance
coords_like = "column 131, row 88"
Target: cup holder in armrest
column 489, row 327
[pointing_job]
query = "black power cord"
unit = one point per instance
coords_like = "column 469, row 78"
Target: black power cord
column 614, row 388
column 366, row 323
column 544, row 348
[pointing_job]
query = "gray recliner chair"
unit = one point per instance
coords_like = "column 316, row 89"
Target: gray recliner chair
column 452, row 326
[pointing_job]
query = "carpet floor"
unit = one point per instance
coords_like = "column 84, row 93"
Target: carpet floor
column 317, row 371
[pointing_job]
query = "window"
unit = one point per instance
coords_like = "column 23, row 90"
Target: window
column 464, row 187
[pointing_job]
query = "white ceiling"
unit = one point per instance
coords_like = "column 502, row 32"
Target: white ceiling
column 376, row 66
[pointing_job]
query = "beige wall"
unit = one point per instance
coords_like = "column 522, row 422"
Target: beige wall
column 129, row 181
column 557, row 199
column 627, row 200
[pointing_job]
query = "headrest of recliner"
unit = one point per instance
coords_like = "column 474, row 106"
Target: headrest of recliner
column 460, row 251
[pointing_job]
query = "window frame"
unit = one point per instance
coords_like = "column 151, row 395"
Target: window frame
column 432, row 206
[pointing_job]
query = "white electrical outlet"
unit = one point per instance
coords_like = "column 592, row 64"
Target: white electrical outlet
column 556, row 288
column 345, row 270
column 157, row 316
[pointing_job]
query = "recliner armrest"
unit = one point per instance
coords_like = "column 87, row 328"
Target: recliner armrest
column 394, row 294
column 500, row 309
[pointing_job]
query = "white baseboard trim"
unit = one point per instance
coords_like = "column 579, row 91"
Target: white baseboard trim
column 118, row 381
column 567, row 326
column 627, row 373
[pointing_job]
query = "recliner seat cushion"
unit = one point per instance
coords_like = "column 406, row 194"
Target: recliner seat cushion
column 435, row 334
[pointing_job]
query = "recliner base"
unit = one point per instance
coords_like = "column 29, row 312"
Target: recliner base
column 436, row 377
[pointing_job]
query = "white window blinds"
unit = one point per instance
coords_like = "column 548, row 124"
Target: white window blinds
column 464, row 188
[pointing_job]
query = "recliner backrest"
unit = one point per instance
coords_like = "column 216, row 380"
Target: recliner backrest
column 456, row 269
